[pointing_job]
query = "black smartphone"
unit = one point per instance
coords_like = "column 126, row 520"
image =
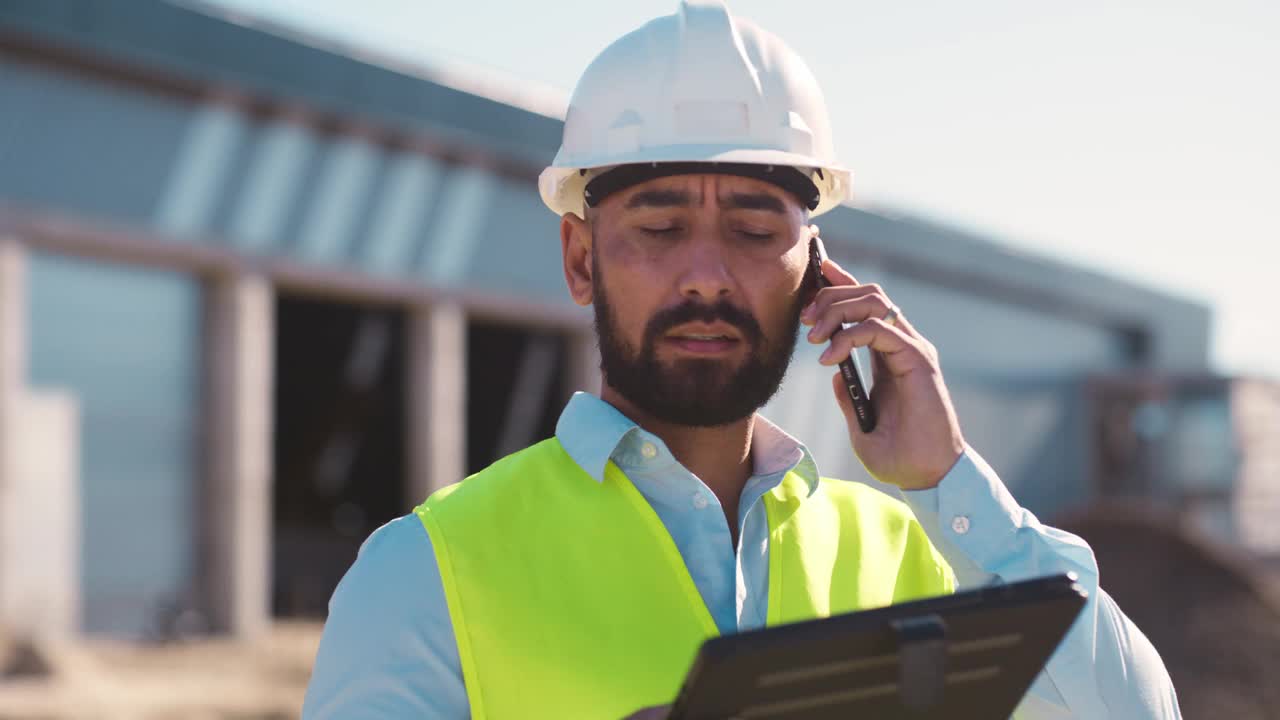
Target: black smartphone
column 862, row 406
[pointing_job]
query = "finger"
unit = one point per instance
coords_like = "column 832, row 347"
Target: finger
column 879, row 368
column 834, row 316
column 827, row 296
column 832, row 271
column 832, row 296
column 902, row 354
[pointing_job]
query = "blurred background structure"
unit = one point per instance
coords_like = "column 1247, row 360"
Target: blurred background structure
column 258, row 297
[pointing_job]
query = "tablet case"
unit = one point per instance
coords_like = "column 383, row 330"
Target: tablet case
column 969, row 655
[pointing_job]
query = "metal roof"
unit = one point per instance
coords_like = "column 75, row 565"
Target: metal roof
column 216, row 52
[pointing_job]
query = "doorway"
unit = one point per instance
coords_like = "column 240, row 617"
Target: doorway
column 339, row 453
column 516, row 388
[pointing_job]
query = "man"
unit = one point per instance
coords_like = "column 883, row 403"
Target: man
column 576, row 578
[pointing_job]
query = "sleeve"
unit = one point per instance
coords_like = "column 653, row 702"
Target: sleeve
column 388, row 649
column 1105, row 667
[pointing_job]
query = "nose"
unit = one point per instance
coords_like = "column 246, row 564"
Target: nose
column 706, row 274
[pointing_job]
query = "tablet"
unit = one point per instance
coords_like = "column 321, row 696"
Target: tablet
column 968, row 655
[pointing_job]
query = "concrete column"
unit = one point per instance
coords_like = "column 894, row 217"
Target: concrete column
column 240, row 345
column 39, row 479
column 40, row 530
column 437, row 421
column 13, row 354
column 583, row 368
column 13, row 341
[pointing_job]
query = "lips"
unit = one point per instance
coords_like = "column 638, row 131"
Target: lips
column 702, row 341
column 704, row 331
column 698, row 327
column 691, row 336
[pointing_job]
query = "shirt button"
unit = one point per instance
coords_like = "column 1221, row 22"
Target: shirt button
column 960, row 524
column 649, row 451
column 699, row 501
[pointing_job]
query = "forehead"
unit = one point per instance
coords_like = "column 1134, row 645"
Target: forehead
column 709, row 190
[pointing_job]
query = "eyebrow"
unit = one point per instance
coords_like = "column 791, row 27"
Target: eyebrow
column 660, row 199
column 754, row 201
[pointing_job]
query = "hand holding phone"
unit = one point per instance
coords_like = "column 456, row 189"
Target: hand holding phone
column 862, row 406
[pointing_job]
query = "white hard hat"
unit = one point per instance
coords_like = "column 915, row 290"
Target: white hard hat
column 699, row 86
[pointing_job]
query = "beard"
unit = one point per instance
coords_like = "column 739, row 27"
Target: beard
column 693, row 392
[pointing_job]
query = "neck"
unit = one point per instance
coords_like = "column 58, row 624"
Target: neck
column 719, row 456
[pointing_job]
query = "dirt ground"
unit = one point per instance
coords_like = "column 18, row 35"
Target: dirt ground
column 194, row 680
column 1212, row 612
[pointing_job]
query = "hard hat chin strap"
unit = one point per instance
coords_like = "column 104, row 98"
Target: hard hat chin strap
column 622, row 177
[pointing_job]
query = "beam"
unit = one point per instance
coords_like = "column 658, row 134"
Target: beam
column 207, row 257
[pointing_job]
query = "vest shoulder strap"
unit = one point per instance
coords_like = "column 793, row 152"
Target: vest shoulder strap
column 882, row 553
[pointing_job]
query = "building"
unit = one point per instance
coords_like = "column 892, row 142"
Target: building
column 1206, row 448
column 259, row 296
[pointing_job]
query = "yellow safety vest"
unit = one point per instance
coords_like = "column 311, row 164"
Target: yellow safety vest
column 569, row 599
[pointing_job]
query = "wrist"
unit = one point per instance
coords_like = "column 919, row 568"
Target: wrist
column 938, row 476
column 930, row 475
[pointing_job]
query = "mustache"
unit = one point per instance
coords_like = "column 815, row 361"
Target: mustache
column 692, row 311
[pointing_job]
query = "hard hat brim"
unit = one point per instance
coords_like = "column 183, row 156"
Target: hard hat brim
column 562, row 184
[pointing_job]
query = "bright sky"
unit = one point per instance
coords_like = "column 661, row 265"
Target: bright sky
column 1140, row 138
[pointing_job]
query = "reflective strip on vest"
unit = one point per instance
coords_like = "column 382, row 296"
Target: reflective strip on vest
column 568, row 597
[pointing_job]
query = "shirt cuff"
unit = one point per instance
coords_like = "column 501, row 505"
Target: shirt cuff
column 971, row 518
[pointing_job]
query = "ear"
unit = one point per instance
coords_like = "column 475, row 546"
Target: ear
column 575, row 246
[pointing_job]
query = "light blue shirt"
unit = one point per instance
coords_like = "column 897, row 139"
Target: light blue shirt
column 388, row 648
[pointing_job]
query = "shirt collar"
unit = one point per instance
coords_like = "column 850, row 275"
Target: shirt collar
column 774, row 450
column 592, row 431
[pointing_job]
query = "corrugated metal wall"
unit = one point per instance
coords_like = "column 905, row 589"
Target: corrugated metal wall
column 125, row 342
column 83, row 146
column 206, row 174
